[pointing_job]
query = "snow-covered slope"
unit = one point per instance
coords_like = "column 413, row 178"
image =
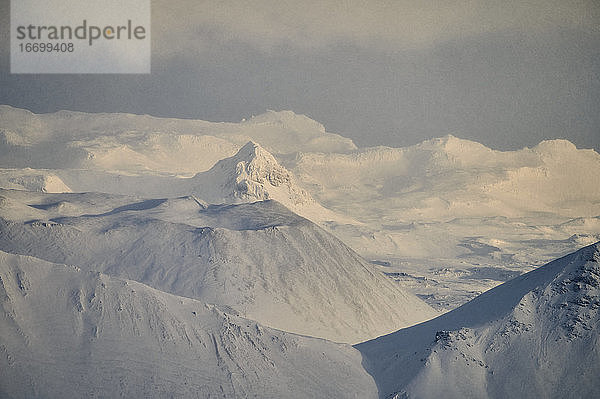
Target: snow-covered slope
column 259, row 259
column 534, row 336
column 66, row 333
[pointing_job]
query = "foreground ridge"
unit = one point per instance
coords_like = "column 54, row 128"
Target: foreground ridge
column 534, row 336
column 70, row 333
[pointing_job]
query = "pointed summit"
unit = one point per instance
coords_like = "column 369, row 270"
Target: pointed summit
column 253, row 152
column 252, row 174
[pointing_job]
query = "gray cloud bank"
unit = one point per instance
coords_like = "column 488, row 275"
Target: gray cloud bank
column 507, row 74
column 385, row 25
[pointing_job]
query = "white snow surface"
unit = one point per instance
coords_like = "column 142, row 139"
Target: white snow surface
column 534, row 336
column 447, row 218
column 447, row 178
column 259, row 259
column 68, row 333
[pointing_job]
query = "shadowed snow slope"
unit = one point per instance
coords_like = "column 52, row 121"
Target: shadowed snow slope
column 534, row 336
column 67, row 333
column 259, row 259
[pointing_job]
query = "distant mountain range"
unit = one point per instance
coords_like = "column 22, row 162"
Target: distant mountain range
column 450, row 217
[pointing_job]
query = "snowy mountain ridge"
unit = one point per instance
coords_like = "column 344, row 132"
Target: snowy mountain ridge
column 32, row 180
column 71, row 333
column 451, row 177
column 536, row 335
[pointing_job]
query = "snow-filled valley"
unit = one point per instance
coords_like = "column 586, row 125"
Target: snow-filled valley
column 153, row 257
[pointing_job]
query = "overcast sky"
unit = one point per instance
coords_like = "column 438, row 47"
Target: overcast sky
column 504, row 73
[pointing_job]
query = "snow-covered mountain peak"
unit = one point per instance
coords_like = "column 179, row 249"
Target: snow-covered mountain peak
column 556, row 286
column 259, row 259
column 561, row 151
column 574, row 297
column 256, row 169
column 252, row 152
column 253, row 174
